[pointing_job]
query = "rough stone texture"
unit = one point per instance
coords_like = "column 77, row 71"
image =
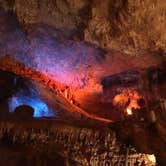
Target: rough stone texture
column 79, row 146
column 151, row 135
column 130, row 26
column 133, row 27
column 41, row 87
column 69, row 16
column 40, row 35
column 93, row 104
column 74, row 63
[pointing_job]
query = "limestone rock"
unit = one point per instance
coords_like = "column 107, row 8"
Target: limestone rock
column 133, row 27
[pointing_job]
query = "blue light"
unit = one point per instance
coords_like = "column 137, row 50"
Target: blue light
column 40, row 108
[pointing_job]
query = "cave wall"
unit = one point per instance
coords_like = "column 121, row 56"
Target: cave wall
column 43, row 44
column 50, row 37
column 74, row 145
column 133, row 27
column 41, row 40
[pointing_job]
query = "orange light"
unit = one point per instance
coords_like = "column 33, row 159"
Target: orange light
column 128, row 95
column 71, row 101
column 129, row 111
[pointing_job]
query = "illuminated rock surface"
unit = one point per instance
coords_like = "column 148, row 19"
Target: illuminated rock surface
column 84, row 63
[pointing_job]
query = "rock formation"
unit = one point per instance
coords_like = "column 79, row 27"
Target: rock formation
column 90, row 61
column 133, row 27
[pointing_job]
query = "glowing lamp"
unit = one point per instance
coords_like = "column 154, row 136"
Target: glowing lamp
column 129, row 111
